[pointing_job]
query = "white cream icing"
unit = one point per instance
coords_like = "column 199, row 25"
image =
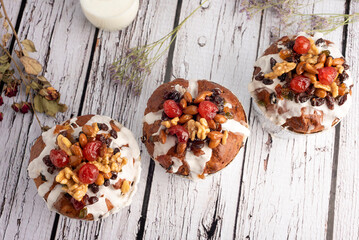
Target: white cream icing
column 130, row 171
column 294, row 109
column 196, row 164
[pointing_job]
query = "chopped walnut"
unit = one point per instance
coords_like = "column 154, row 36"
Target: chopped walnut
column 309, row 58
column 73, row 186
column 280, row 68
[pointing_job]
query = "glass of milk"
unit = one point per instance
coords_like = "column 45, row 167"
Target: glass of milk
column 110, row 15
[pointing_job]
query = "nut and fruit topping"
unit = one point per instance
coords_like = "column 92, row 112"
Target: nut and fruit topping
column 307, row 74
column 85, row 163
column 193, row 120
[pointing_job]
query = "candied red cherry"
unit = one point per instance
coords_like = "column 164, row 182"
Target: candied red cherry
column 88, row 173
column 207, row 110
column 92, row 150
column 301, row 45
column 327, row 75
column 181, row 133
column 59, row 158
column 299, row 84
column 172, row 109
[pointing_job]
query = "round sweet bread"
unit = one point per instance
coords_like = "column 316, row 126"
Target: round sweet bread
column 86, row 168
column 194, row 128
column 302, row 84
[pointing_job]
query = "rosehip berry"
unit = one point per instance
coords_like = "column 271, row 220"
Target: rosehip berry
column 11, row 89
column 77, row 205
column 1, row 116
column 327, row 75
column 171, row 109
column 207, row 110
column 59, row 158
column 88, row 173
column 299, row 84
column 301, row 45
column 181, row 133
column 92, row 150
column 1, row 101
column 25, row 108
column 15, row 107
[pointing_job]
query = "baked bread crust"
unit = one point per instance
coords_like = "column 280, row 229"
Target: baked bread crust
column 63, row 204
column 309, row 121
column 221, row 156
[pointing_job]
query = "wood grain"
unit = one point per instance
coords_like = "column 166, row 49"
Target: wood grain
column 63, row 39
column 103, row 97
column 346, row 214
column 286, row 182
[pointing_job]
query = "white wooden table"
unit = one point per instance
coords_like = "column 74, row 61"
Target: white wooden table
column 305, row 188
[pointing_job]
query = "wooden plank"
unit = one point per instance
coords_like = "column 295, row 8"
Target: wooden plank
column 217, row 44
column 63, row 39
column 286, row 182
column 102, row 97
column 346, row 215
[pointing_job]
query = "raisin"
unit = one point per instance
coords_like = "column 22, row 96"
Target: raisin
column 116, row 150
column 51, row 170
column 273, row 62
column 94, row 188
column 106, row 183
column 197, row 144
column 316, row 102
column 103, row 126
column 273, row 98
column 343, row 99
column 143, row 139
column 218, row 100
column 259, row 77
column 282, row 77
column 290, row 44
column 268, row 81
column 319, row 42
column 173, row 95
column 92, row 200
column 47, row 161
column 113, row 133
column 101, row 138
column 310, row 90
column 114, row 175
column 216, row 91
column 108, row 142
column 330, row 101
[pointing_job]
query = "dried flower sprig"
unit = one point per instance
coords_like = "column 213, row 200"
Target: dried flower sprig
column 43, row 97
column 137, row 63
column 291, row 17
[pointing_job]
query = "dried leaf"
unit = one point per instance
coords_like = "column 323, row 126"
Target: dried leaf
column 5, row 38
column 4, row 59
column 28, row 89
column 28, row 45
column 6, row 25
column 34, row 85
column 4, row 67
column 49, row 107
column 31, row 65
column 25, row 53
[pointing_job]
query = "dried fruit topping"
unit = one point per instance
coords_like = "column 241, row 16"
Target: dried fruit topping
column 59, row 158
column 207, row 110
column 78, row 205
column 88, row 173
column 327, row 75
column 173, row 95
column 92, row 150
column 180, row 132
column 171, row 109
column 301, row 45
column 300, row 84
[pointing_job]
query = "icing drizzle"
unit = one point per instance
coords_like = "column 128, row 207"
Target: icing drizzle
column 130, row 171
